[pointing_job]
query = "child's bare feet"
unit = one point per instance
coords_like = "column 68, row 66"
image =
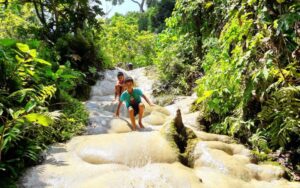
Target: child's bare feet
column 141, row 124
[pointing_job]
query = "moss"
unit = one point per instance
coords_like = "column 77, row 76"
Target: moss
column 169, row 132
column 181, row 138
column 260, row 156
column 288, row 174
column 263, row 158
column 188, row 154
column 274, row 163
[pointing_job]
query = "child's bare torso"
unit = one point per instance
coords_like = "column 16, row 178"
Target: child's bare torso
column 120, row 88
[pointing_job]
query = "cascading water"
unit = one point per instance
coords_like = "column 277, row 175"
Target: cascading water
column 111, row 155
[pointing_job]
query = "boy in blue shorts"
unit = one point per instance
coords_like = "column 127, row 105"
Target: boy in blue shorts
column 132, row 98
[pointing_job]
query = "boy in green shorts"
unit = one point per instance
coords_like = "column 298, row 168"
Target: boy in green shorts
column 132, row 98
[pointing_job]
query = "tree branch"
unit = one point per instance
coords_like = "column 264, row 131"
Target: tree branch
column 136, row 2
column 141, row 5
column 43, row 13
column 38, row 13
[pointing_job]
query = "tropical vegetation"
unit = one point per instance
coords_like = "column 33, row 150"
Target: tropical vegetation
column 244, row 57
column 241, row 58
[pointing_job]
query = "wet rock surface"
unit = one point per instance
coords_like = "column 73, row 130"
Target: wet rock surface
column 111, row 155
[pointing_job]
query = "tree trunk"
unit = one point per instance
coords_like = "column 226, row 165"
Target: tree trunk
column 142, row 6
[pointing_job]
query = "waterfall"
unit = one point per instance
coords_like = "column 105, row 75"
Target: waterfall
column 111, row 155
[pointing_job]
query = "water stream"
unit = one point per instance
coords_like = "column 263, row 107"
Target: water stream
column 111, row 155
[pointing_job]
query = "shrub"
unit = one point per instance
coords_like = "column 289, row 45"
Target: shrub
column 30, row 90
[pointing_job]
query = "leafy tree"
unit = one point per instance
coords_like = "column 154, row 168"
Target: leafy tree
column 158, row 13
column 249, row 74
column 60, row 17
column 154, row 18
column 124, row 43
column 38, row 78
column 18, row 21
column 247, row 54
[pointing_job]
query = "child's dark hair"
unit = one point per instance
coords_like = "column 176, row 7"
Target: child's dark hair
column 120, row 74
column 129, row 79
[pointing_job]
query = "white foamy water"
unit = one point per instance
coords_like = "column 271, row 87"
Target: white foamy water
column 113, row 156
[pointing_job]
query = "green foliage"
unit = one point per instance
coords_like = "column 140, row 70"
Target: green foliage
column 177, row 63
column 123, row 43
column 67, row 27
column 261, row 156
column 82, row 52
column 73, row 120
column 245, row 57
column 60, row 17
column 48, row 54
column 163, row 10
column 28, row 122
column 250, row 87
column 154, row 18
column 17, row 21
column 247, row 53
column 180, row 47
column 281, row 114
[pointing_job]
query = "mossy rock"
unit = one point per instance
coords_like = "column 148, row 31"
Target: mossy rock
column 168, row 131
column 181, row 138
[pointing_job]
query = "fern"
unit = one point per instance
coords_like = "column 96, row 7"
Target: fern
column 36, row 96
column 44, row 93
column 32, row 151
column 281, row 114
column 259, row 141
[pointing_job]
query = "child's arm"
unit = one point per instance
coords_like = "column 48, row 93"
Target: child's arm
column 118, row 109
column 117, row 91
column 147, row 100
